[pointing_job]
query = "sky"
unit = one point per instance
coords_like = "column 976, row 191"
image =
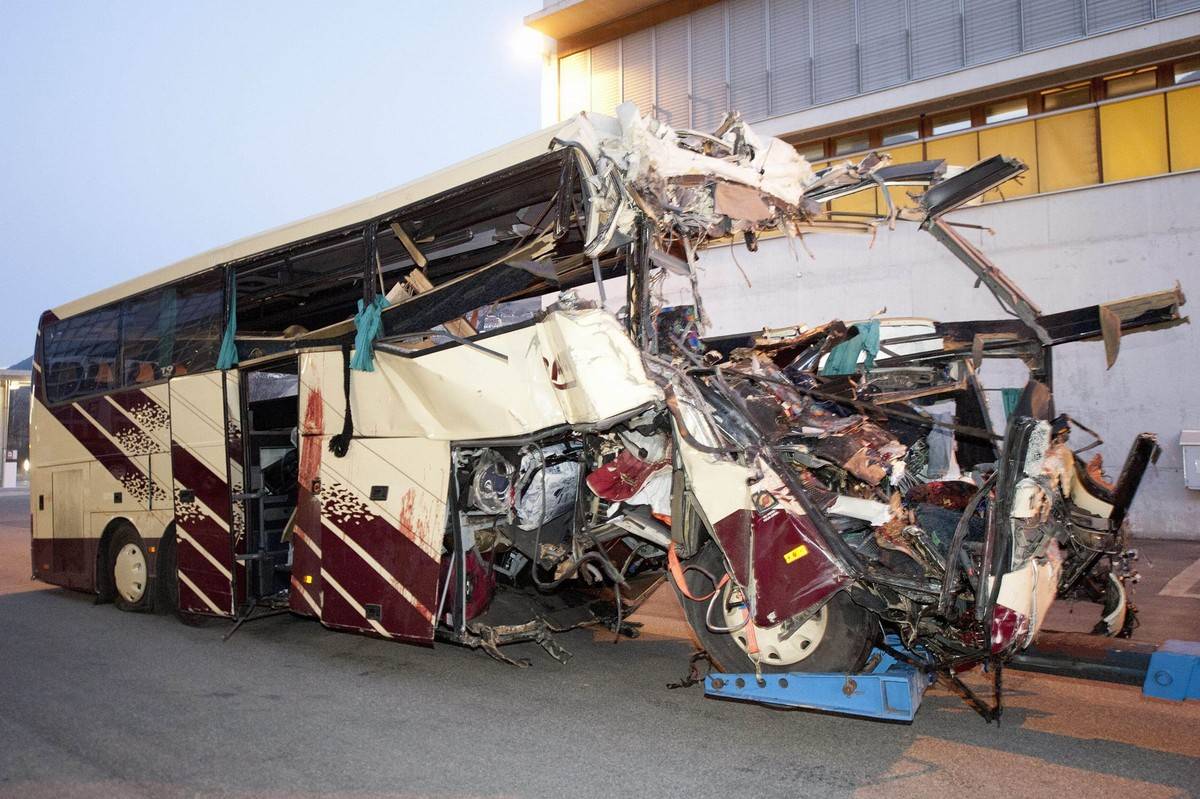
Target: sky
column 136, row 133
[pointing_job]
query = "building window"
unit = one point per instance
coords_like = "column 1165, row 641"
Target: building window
column 851, row 144
column 1006, row 110
column 1187, row 70
column 898, row 134
column 1142, row 80
column 813, row 151
column 948, row 123
column 1067, row 96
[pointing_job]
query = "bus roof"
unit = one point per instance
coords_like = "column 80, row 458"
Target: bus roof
column 494, row 160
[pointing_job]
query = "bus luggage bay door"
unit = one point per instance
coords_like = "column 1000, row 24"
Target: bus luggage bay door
column 369, row 523
column 206, row 463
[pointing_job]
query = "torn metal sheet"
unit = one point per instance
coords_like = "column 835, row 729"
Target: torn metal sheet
column 803, row 488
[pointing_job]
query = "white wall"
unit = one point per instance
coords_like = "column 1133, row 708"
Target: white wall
column 1065, row 250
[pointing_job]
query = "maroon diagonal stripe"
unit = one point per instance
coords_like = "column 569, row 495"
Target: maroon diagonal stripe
column 401, row 556
column 101, row 448
column 133, row 399
column 109, row 418
column 191, row 473
column 367, row 586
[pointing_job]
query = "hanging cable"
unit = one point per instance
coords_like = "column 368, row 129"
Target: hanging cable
column 339, row 445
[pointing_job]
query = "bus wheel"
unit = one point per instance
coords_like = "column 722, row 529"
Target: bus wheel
column 837, row 639
column 166, row 582
column 130, row 570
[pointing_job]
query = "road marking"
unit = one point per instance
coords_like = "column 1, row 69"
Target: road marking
column 1184, row 583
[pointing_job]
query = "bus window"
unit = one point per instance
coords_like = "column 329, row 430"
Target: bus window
column 312, row 286
column 80, row 354
column 146, row 330
column 173, row 331
column 199, row 317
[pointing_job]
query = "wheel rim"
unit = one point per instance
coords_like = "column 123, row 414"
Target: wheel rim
column 129, row 573
column 773, row 648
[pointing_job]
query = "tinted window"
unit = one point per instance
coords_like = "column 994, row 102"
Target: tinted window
column 80, row 354
column 199, row 317
column 172, row 331
column 146, row 336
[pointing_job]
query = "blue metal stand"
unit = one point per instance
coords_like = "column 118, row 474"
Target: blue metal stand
column 1174, row 671
column 889, row 690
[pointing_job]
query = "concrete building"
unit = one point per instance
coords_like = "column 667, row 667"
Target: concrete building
column 14, row 427
column 1101, row 98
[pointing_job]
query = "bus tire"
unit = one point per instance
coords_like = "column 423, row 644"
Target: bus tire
column 837, row 639
column 166, row 580
column 166, row 596
column 129, row 567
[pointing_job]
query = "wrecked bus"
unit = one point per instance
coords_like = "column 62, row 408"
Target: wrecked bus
column 401, row 418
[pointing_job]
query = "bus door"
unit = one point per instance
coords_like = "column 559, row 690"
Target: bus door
column 206, row 465
column 370, row 523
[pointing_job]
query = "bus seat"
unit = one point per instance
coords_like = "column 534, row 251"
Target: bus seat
column 145, row 372
column 104, row 374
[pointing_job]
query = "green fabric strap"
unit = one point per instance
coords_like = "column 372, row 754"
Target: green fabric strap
column 1010, row 397
column 229, row 355
column 843, row 359
column 367, row 323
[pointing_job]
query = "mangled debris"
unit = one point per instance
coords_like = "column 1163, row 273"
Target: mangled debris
column 802, row 489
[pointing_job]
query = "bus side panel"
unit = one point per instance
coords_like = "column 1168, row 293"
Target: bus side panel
column 307, row 588
column 203, row 515
column 237, row 482
column 382, row 517
column 92, row 460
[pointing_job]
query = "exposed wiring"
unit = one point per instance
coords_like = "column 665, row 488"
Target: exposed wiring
column 720, row 595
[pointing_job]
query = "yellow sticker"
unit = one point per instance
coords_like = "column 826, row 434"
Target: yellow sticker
column 308, row 579
column 795, row 554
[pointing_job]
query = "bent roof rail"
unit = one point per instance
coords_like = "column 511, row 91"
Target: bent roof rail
column 357, row 213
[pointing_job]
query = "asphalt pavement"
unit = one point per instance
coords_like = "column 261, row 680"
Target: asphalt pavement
column 96, row 702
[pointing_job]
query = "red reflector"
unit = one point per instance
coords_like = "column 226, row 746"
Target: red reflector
column 1008, row 626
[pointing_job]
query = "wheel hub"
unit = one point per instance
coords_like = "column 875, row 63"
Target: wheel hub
column 773, row 647
column 129, row 573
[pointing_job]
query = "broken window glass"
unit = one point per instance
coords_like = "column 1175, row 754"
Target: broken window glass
column 505, row 314
column 308, row 287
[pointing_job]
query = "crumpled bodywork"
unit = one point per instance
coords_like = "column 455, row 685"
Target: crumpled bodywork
column 836, row 458
column 853, row 459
